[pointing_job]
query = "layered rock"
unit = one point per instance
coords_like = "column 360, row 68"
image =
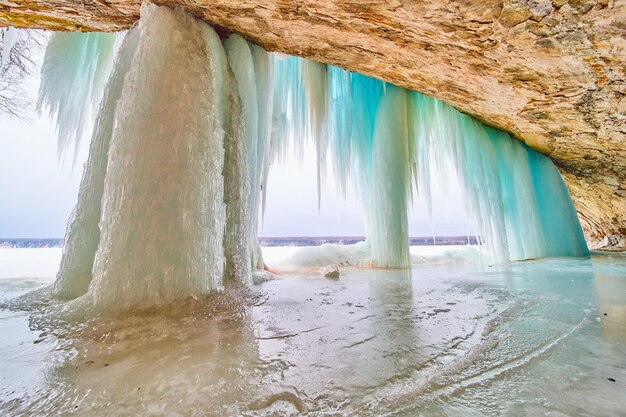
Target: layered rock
column 553, row 73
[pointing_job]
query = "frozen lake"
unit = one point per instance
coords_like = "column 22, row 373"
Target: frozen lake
column 449, row 337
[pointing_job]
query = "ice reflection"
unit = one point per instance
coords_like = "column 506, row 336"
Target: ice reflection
column 526, row 338
column 199, row 355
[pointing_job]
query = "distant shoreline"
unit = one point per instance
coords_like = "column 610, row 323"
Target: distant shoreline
column 350, row 240
column 268, row 241
column 31, row 243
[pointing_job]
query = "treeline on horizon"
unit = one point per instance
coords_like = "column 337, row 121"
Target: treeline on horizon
column 267, row 241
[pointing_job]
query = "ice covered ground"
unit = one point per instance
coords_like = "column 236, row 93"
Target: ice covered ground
column 541, row 337
column 359, row 255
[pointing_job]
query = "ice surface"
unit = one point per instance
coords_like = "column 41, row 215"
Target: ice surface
column 517, row 339
column 327, row 254
column 42, row 263
column 309, row 259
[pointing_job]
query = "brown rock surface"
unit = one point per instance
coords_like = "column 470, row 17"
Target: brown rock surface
column 551, row 72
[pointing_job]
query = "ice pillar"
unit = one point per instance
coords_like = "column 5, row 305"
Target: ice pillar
column 169, row 201
column 253, row 72
column 390, row 183
column 163, row 213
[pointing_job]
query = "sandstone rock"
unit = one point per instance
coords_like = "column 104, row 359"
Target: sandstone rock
column 608, row 243
column 553, row 73
column 331, row 271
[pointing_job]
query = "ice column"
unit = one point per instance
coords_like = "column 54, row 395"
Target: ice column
column 163, row 214
column 253, row 71
column 151, row 222
column 390, row 182
column 237, row 235
column 169, row 201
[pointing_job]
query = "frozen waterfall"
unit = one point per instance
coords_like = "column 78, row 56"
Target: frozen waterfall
column 387, row 143
column 189, row 125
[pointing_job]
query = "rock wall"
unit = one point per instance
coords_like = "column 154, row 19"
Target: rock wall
column 551, row 72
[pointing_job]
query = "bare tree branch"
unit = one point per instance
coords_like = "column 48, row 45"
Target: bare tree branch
column 19, row 64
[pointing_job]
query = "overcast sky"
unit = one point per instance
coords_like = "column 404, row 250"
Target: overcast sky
column 292, row 207
column 38, row 192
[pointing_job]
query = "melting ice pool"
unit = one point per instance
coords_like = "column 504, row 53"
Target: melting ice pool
column 543, row 337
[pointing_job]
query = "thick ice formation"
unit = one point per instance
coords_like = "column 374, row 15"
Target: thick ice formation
column 160, row 215
column 253, row 71
column 83, row 233
column 190, row 124
column 161, row 222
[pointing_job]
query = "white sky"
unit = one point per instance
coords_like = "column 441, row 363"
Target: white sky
column 38, row 192
column 292, row 206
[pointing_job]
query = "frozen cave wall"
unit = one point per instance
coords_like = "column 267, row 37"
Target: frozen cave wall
column 553, row 73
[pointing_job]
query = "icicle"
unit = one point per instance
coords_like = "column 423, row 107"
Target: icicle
column 75, row 69
column 10, row 37
column 499, row 182
column 289, row 118
column 315, row 77
column 264, row 75
column 498, row 177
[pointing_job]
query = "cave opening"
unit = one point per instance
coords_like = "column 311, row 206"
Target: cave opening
column 188, row 129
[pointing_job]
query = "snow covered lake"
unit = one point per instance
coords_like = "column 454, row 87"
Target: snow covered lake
column 452, row 336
